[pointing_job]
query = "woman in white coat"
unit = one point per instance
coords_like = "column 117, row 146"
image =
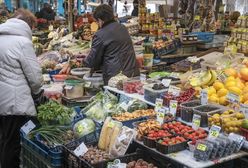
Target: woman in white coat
column 20, row 78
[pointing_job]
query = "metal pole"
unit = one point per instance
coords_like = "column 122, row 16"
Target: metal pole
column 70, row 17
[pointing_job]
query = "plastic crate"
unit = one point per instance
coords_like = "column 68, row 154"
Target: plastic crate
column 129, row 123
column 76, row 102
column 33, row 156
column 212, row 109
column 171, row 148
column 206, row 37
column 244, row 132
column 151, row 95
column 187, row 109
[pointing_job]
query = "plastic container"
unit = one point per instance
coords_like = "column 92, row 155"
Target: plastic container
column 148, row 60
column 203, row 150
column 222, row 147
column 206, row 110
column 96, row 79
column 215, row 150
column 166, row 149
column 206, row 37
column 130, row 85
column 151, row 95
column 80, row 72
column 82, row 102
column 74, row 89
column 187, row 109
column 191, row 146
column 33, row 156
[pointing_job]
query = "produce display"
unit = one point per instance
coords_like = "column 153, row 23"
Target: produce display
column 171, row 141
column 177, row 128
column 117, row 81
column 229, row 120
column 55, row 113
column 144, row 127
column 83, row 127
column 154, row 91
column 136, row 114
column 95, row 155
column 140, row 163
column 130, row 86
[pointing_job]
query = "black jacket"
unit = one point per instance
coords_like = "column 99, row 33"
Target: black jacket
column 112, row 50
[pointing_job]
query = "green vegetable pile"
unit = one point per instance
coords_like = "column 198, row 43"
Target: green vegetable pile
column 53, row 113
column 53, row 135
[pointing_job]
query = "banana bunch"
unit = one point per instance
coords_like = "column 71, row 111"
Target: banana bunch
column 204, row 79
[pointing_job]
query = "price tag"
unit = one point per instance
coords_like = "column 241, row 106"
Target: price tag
column 81, row 150
column 197, row 17
column 111, row 124
column 222, row 77
column 232, row 98
column 201, row 147
column 174, row 75
column 160, row 115
column 29, row 126
column 175, row 91
column 50, row 28
column 196, row 122
column 173, row 107
column 166, row 82
column 122, row 137
column 204, row 97
column 143, row 77
column 67, row 87
column 214, row 131
column 85, row 20
column 87, row 84
column 158, row 104
column 244, row 109
column 116, row 164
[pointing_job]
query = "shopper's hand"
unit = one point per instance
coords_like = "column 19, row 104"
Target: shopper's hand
column 66, row 69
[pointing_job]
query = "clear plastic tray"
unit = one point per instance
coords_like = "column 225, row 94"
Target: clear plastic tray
column 151, row 95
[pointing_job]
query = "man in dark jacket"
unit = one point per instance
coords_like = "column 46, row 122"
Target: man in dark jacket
column 47, row 12
column 112, row 47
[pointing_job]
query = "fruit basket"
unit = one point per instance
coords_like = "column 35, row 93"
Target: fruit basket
column 171, row 145
column 205, row 110
column 187, row 109
column 154, row 91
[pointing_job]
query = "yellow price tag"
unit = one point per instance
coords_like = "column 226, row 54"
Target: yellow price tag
column 80, row 129
column 214, row 133
column 197, row 17
column 201, row 147
column 197, row 122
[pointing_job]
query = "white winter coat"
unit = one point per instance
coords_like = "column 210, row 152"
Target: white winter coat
column 20, row 72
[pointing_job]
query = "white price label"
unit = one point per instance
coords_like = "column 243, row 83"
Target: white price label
column 214, row 131
column 122, row 137
column 173, row 107
column 175, row 91
column 87, row 84
column 67, row 87
column 232, row 98
column 158, row 104
column 81, row 150
column 29, row 126
column 174, row 75
column 196, row 122
column 160, row 115
column 222, row 77
column 50, row 28
column 244, row 109
column 166, row 82
column 204, row 97
column 143, row 77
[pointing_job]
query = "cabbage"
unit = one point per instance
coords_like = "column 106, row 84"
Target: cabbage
column 84, row 127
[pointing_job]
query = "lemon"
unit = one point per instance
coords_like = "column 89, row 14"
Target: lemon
column 211, row 90
column 239, row 115
column 236, row 129
column 235, row 90
column 230, row 84
column 218, row 85
column 214, row 98
column 222, row 92
column 223, row 101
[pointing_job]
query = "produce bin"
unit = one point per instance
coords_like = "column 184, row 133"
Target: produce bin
column 129, row 123
column 205, row 110
column 151, row 95
column 33, row 156
column 166, row 149
column 187, row 110
column 206, row 37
